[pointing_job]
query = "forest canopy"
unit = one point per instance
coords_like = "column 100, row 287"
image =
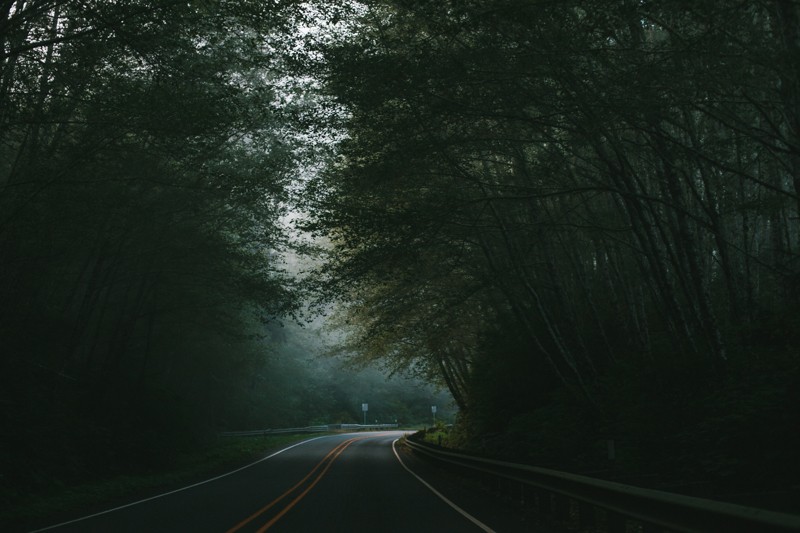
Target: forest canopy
column 582, row 217
column 579, row 217
column 147, row 159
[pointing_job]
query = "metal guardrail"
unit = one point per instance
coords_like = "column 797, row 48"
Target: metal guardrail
column 307, row 429
column 654, row 510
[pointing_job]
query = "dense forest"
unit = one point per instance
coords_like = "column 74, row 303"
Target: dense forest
column 141, row 176
column 147, row 299
column 581, row 219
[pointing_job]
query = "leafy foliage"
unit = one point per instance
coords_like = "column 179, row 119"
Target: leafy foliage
column 535, row 196
column 143, row 174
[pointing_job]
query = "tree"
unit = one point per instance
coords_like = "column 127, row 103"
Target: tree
column 601, row 177
column 143, row 171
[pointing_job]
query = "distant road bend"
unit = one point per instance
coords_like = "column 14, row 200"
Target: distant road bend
column 350, row 482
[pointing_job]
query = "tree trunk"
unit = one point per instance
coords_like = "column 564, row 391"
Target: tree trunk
column 787, row 28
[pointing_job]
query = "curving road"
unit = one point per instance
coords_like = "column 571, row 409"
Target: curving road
column 349, row 482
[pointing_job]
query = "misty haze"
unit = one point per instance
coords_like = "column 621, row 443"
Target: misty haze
column 492, row 265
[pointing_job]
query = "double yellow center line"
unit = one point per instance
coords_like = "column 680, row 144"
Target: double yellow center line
column 322, row 467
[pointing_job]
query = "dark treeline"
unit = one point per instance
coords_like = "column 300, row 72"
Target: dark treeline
column 582, row 217
column 141, row 180
column 146, row 153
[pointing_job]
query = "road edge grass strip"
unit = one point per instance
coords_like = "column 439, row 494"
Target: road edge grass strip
column 224, row 455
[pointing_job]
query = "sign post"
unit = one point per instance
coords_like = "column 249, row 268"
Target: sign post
column 365, row 408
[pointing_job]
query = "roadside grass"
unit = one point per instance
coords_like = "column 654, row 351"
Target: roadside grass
column 68, row 502
column 439, row 435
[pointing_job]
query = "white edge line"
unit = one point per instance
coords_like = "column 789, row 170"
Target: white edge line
column 176, row 490
column 440, row 495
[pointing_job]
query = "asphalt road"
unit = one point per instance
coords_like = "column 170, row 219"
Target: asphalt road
column 352, row 482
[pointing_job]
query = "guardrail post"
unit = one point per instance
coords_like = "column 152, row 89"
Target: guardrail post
column 586, row 516
column 615, row 523
column 537, row 502
column 651, row 528
column 546, row 504
column 561, row 508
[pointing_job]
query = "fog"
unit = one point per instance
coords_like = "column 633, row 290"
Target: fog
column 301, row 381
column 213, row 218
